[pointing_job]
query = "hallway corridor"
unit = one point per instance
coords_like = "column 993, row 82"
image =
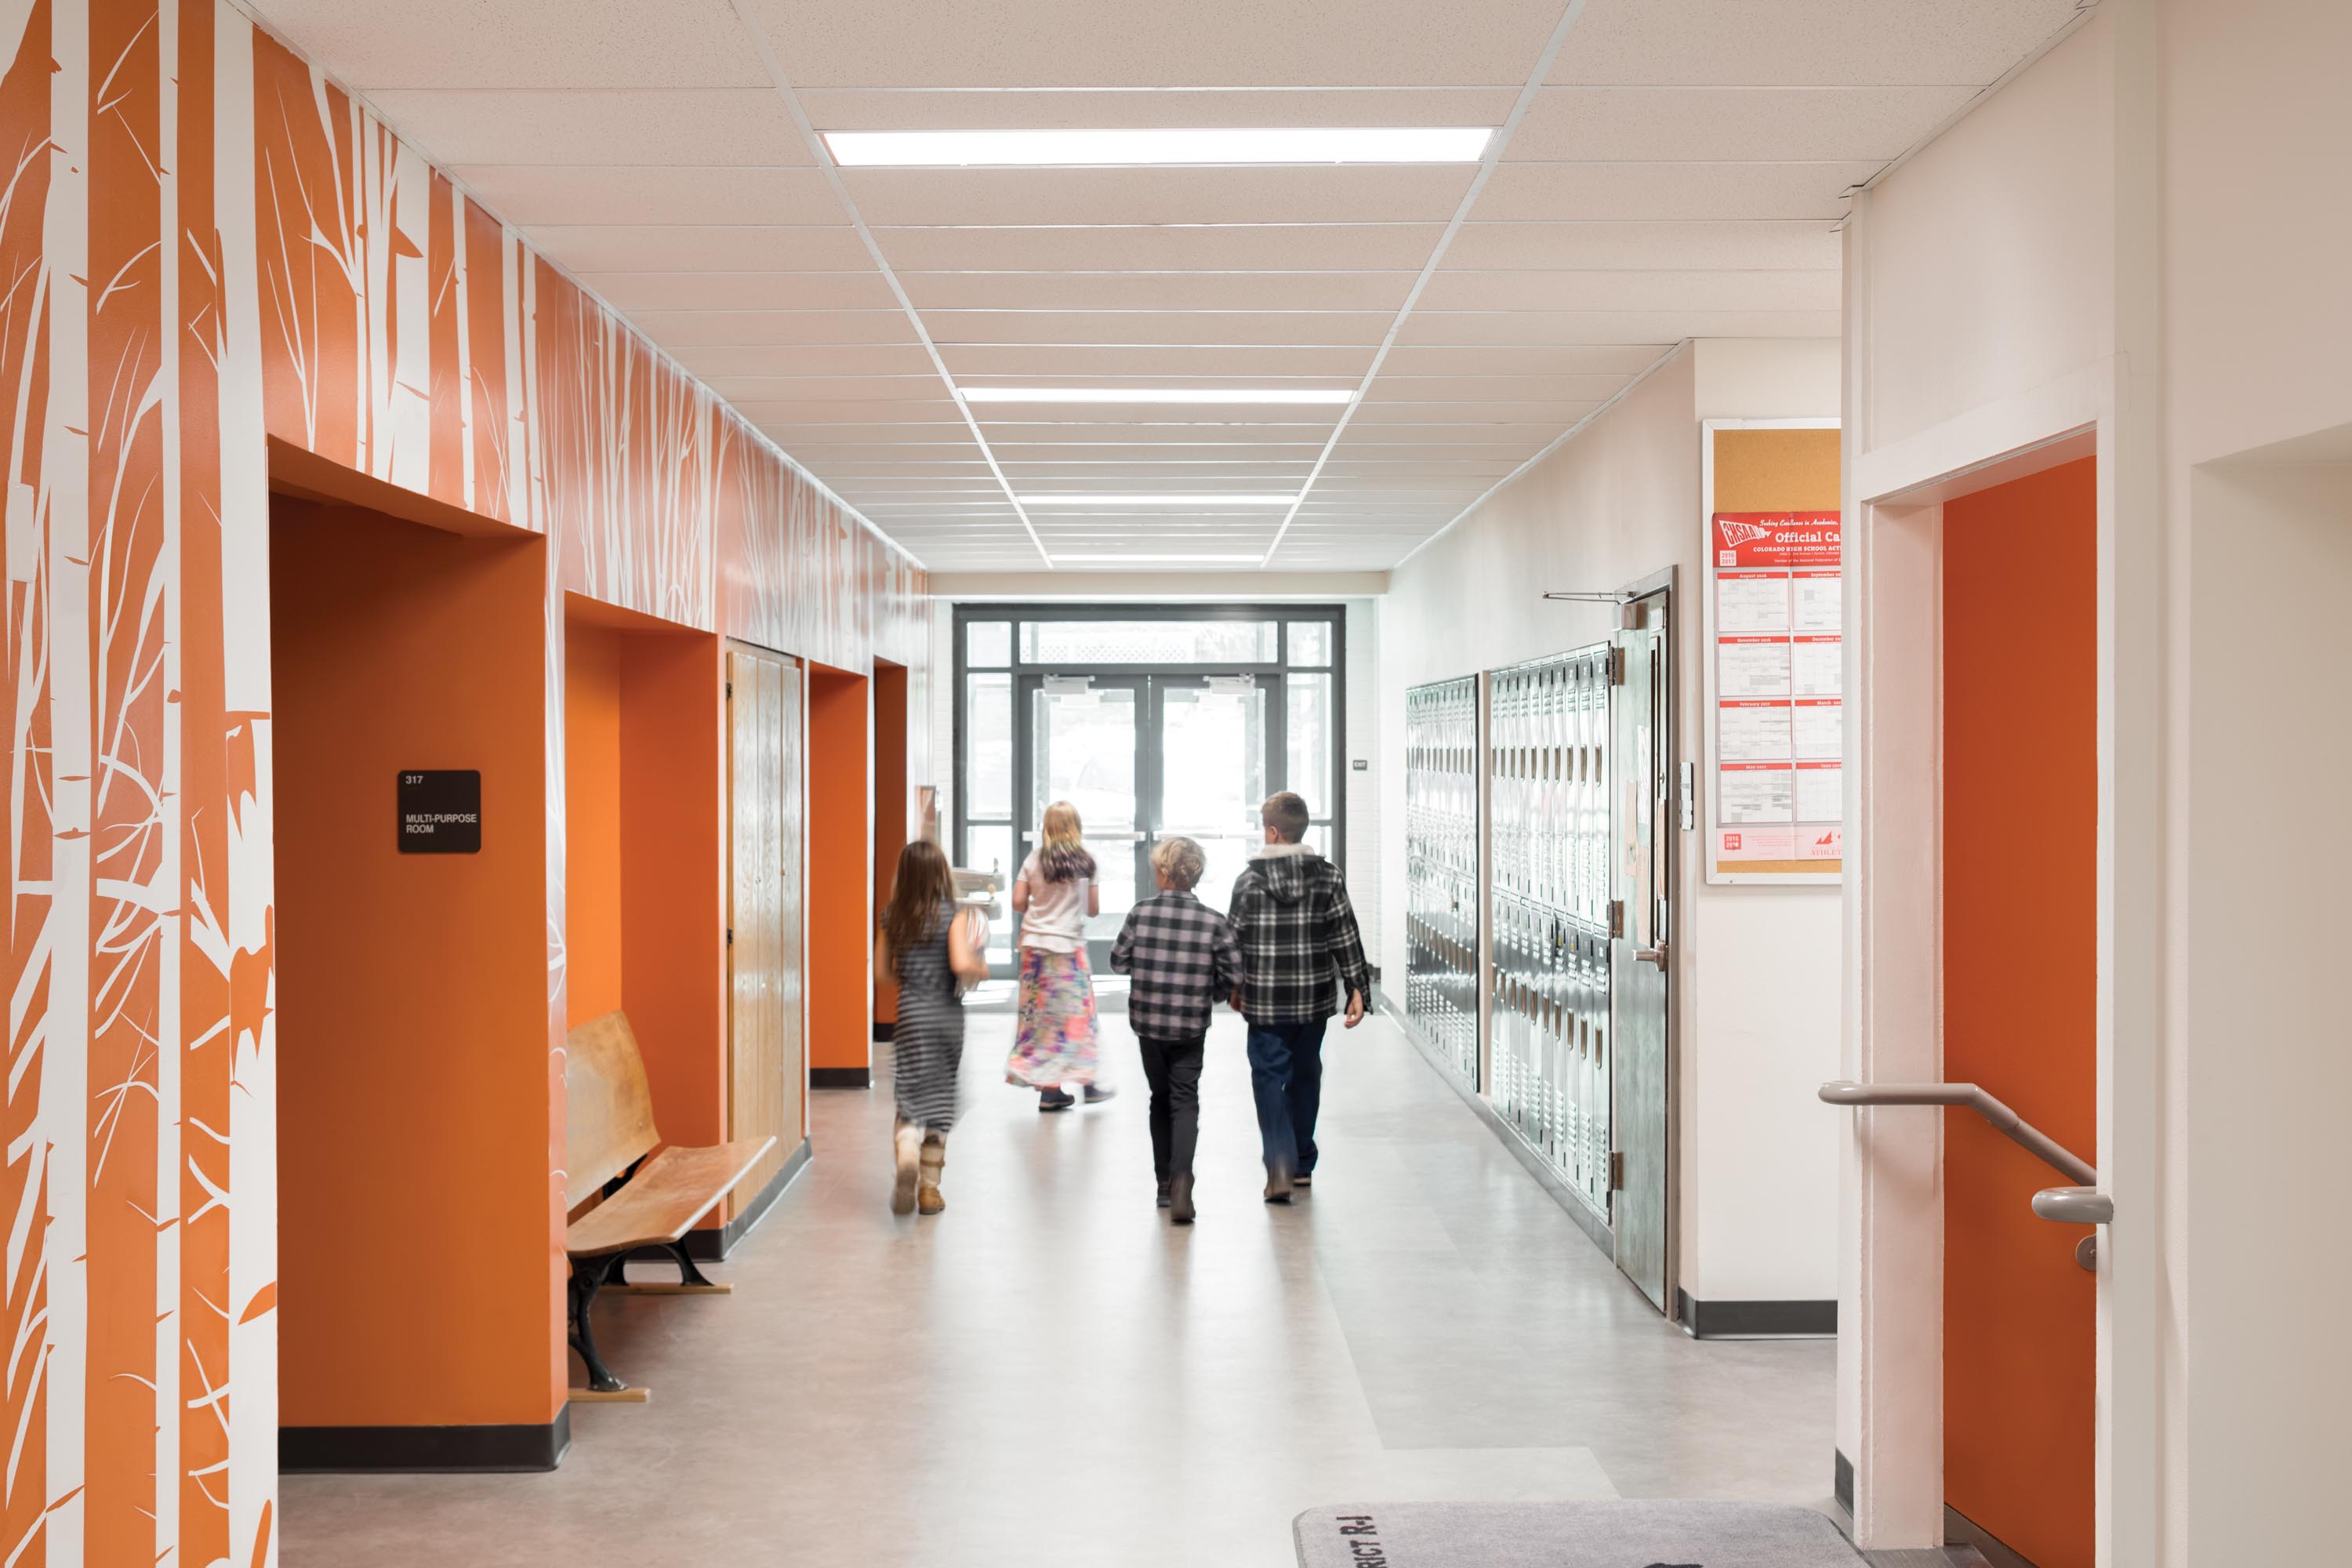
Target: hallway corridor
column 1049, row 1375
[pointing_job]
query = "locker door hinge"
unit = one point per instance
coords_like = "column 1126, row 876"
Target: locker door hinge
column 1617, row 666
column 730, row 936
column 1617, row 1170
column 731, row 691
column 1616, row 917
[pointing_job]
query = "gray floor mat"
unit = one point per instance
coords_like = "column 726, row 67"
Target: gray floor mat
column 1569, row 1535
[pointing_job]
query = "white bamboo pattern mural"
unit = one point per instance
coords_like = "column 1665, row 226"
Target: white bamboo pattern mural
column 206, row 245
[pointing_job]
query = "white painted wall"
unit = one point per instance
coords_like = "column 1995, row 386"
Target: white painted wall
column 2146, row 230
column 1756, row 968
column 2257, row 355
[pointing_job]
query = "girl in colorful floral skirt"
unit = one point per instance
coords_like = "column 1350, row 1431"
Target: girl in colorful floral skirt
column 1058, row 1043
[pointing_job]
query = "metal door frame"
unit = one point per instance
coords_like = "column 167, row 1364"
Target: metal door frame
column 1330, row 612
column 1671, row 916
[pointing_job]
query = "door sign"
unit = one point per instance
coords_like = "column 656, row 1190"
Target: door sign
column 441, row 811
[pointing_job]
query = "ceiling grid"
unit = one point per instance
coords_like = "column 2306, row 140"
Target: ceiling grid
column 1660, row 170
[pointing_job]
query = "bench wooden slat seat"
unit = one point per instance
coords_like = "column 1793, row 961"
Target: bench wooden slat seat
column 608, row 1134
column 667, row 1197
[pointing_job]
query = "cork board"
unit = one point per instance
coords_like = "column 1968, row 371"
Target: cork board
column 1782, row 476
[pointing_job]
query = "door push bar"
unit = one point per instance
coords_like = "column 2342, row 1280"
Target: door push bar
column 2082, row 1203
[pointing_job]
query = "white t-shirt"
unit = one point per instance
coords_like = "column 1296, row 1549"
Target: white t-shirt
column 1057, row 917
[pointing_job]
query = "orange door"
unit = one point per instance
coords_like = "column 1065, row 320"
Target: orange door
column 2019, row 956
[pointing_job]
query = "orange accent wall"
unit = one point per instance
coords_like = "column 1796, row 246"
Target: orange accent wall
column 592, row 821
column 840, row 872
column 892, row 806
column 644, row 869
column 418, row 1260
column 2020, row 950
column 674, row 875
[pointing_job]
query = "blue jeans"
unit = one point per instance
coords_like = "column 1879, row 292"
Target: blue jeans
column 1286, row 1074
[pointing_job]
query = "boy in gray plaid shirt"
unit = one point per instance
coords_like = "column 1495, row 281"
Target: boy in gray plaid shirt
column 1180, row 956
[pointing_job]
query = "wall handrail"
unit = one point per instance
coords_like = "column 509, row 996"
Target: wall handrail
column 1972, row 1097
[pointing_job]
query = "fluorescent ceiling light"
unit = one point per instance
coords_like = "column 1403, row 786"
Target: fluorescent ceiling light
column 1253, row 555
column 1262, row 144
column 1220, row 497
column 1156, row 394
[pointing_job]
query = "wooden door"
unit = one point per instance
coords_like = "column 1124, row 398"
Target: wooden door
column 767, row 812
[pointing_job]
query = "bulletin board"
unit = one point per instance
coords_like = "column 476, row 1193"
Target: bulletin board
column 1774, row 631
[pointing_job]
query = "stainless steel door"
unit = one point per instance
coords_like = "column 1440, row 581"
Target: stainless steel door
column 1642, row 842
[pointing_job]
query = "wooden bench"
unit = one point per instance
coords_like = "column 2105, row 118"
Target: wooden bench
column 647, row 1203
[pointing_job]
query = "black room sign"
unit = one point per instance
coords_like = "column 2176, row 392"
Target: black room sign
column 441, row 811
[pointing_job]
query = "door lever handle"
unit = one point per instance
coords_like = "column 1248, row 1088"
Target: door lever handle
column 1656, row 955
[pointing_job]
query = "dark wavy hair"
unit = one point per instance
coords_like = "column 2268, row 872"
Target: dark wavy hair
column 924, row 883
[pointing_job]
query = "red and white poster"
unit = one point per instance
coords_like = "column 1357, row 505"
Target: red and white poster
column 1777, row 740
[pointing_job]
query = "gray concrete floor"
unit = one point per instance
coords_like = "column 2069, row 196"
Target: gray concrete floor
column 1048, row 1374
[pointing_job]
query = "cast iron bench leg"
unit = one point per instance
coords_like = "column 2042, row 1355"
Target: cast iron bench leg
column 687, row 1274
column 588, row 1277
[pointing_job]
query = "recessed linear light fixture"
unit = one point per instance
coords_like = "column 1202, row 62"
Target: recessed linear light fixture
column 1215, row 499
column 1156, row 394
column 1130, row 555
column 1170, row 144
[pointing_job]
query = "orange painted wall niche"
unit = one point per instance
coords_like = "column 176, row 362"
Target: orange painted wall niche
column 841, row 875
column 645, row 851
column 2019, row 967
column 893, row 808
column 414, row 1090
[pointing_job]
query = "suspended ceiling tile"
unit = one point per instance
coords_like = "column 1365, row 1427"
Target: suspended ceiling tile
column 1162, row 434
column 1150, row 415
column 826, row 457
column 1075, row 43
column 1063, row 381
column 1730, row 125
column 1152, row 247
column 1563, row 414
column 1510, row 327
column 793, row 437
column 1819, row 43
column 1685, row 246
column 1632, row 290
column 763, row 360
column 761, row 329
column 522, row 44
column 690, row 248
column 680, row 126
column 634, row 291
column 1452, row 432
column 1005, row 360
column 742, row 389
column 1522, row 359
column 1287, row 328
column 534, row 194
column 1382, row 292
column 1012, row 454
column 1392, row 388
column 999, row 197
column 928, row 411
column 1556, row 191
column 920, row 109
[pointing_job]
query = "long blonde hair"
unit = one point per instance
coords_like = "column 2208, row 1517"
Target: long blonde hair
column 1062, row 849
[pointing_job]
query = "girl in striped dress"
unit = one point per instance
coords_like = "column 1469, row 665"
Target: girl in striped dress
column 934, row 951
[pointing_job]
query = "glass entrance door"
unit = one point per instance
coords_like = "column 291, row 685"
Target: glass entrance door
column 1209, row 733
column 1146, row 757
column 1085, row 746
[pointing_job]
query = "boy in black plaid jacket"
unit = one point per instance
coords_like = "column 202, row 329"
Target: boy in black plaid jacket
column 1181, row 956
column 1299, row 939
